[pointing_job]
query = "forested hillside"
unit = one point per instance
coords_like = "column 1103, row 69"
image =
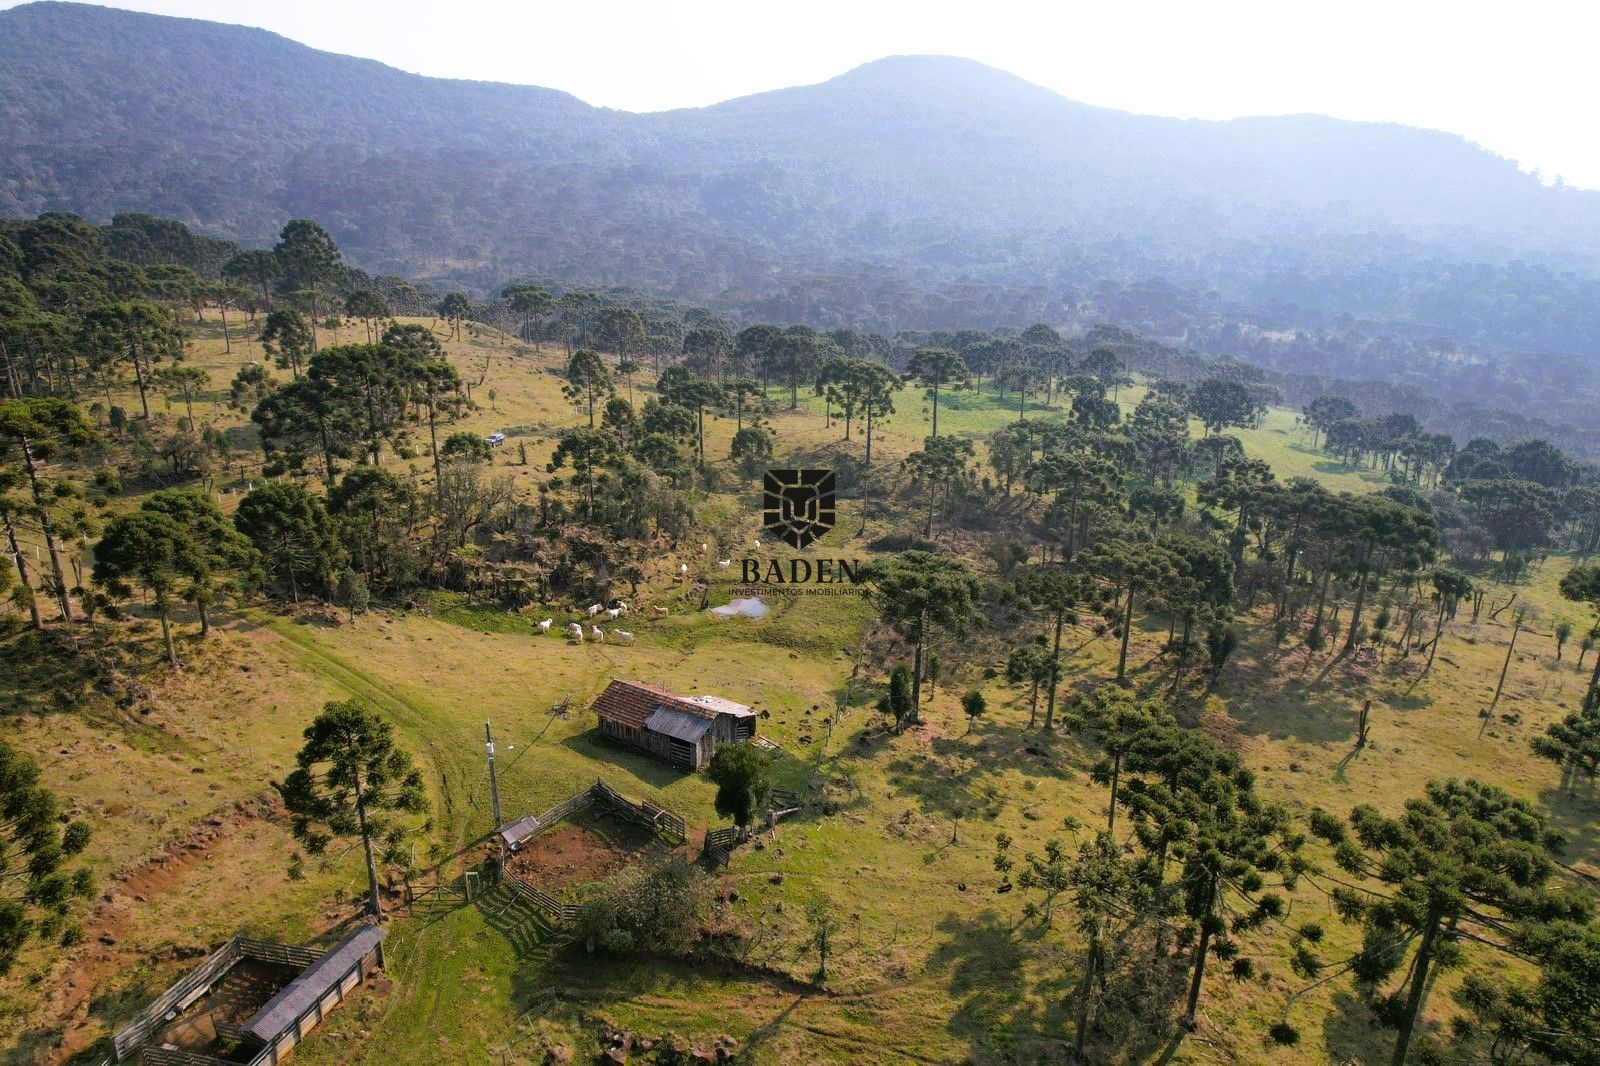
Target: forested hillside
column 912, row 192
column 1158, row 723
column 905, row 568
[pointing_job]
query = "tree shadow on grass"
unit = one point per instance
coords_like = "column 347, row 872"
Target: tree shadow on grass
column 1351, row 1033
column 958, row 777
column 1295, row 711
column 41, row 674
column 1577, row 815
column 763, row 1034
column 996, row 746
column 36, row 1045
column 1007, row 1018
column 984, row 961
column 859, row 694
column 1330, row 466
column 829, row 784
column 1408, row 700
column 1264, row 701
column 523, row 926
column 1341, row 771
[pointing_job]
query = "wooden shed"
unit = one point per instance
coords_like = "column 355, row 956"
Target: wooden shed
column 286, row 1018
column 312, row 983
column 684, row 730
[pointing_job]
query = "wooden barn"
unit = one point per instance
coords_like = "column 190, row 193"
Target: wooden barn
column 684, row 730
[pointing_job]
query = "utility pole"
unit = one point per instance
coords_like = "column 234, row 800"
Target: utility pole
column 494, row 785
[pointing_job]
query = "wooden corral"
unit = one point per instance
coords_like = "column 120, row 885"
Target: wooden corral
column 515, row 834
column 320, row 981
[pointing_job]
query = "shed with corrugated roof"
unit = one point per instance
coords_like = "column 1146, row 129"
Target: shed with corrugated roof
column 684, row 730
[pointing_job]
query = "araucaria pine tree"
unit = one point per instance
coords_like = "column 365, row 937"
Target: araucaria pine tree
column 1464, row 864
column 352, row 780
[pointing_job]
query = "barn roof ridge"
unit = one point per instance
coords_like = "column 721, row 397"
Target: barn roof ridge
column 631, row 702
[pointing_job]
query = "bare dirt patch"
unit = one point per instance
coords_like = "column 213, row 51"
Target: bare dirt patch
column 578, row 853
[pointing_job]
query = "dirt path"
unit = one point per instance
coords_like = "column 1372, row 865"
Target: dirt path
column 419, row 722
column 103, row 953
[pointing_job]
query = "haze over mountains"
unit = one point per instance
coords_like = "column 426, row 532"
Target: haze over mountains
column 851, row 199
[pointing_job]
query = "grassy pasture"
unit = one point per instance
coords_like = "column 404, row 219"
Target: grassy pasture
column 933, row 965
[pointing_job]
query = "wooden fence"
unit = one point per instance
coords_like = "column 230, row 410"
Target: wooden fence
column 719, row 845
column 437, row 895
column 229, row 1030
column 667, row 822
column 166, row 1056
column 724, row 838
column 446, row 894
column 282, row 954
column 186, row 990
column 569, row 806
column 546, row 904
column 644, row 812
column 132, row 1040
column 196, row 983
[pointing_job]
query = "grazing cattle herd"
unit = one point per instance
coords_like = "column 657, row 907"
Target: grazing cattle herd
column 575, row 632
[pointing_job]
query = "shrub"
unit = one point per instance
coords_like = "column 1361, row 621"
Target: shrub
column 464, row 447
column 639, row 910
column 974, row 703
column 743, row 776
column 897, row 704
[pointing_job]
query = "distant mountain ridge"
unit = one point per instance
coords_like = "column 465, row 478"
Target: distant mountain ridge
column 928, row 171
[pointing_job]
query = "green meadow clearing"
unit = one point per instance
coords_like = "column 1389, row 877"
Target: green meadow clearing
column 932, row 964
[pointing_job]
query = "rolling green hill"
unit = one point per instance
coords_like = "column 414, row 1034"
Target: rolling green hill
column 867, row 191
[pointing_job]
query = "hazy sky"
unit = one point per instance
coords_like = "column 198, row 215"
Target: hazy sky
column 1518, row 78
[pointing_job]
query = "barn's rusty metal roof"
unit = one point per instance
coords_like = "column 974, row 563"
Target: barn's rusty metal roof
column 631, row 702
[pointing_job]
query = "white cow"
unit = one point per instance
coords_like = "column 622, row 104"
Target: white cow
column 723, row 564
column 597, row 634
column 613, row 612
column 622, row 635
column 683, row 569
column 594, row 609
column 575, row 631
column 544, row 627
